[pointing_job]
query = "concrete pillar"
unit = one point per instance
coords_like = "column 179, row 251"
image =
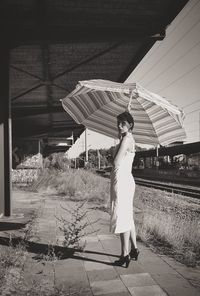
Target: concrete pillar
column 5, row 134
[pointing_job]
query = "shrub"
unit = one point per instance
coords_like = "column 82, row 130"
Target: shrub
column 75, row 184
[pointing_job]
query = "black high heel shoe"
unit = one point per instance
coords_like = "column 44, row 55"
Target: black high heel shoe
column 134, row 253
column 123, row 260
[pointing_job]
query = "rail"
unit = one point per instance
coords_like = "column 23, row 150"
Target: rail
column 192, row 192
column 174, row 188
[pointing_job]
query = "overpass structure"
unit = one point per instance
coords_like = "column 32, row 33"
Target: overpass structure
column 48, row 46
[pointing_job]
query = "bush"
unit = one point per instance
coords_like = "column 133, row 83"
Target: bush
column 56, row 161
column 75, row 184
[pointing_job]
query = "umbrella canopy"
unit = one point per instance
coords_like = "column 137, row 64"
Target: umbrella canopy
column 96, row 104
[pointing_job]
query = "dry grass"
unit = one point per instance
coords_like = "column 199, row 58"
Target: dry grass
column 75, row 185
column 168, row 222
column 10, row 258
column 19, row 270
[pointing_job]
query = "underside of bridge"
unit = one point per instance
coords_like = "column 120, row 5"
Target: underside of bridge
column 48, row 46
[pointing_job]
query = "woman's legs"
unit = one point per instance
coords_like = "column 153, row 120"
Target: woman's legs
column 125, row 237
column 133, row 237
column 125, row 258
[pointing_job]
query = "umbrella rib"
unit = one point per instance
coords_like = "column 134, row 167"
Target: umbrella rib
column 148, row 117
column 103, row 106
column 99, row 109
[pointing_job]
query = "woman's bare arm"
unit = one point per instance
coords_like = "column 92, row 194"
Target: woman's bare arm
column 123, row 148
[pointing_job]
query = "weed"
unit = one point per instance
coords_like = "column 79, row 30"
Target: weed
column 75, row 226
column 13, row 256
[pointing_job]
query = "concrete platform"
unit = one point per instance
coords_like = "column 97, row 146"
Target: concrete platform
column 91, row 271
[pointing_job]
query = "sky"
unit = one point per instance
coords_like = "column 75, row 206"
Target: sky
column 94, row 141
column 171, row 69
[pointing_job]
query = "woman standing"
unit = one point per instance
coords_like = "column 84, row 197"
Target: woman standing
column 122, row 190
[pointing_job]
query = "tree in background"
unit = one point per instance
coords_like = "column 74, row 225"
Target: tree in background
column 57, row 160
column 94, row 156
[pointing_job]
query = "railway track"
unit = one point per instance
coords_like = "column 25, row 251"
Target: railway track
column 174, row 188
column 179, row 189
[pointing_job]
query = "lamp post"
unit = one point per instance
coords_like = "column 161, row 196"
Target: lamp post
column 86, row 148
column 99, row 159
column 199, row 139
column 157, row 160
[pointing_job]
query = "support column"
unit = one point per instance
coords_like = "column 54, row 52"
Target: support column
column 5, row 135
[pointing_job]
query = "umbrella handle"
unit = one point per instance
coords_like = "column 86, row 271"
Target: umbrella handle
column 130, row 101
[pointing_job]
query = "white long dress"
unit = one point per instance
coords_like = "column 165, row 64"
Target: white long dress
column 122, row 191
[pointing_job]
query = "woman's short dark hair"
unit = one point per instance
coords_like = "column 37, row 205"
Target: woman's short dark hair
column 127, row 117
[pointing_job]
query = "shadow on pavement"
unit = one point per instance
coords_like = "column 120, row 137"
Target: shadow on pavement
column 40, row 250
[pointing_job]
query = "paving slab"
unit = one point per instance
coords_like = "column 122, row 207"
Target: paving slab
column 116, row 294
column 92, row 265
column 134, row 268
column 157, row 266
column 147, row 291
column 102, row 275
column 189, row 273
column 137, row 280
column 71, row 277
column 105, row 287
column 90, row 239
column 170, row 280
column 182, row 291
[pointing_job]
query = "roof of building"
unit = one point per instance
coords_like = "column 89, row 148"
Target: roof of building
column 54, row 44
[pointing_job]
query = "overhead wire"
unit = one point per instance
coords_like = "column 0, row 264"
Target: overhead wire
column 188, row 105
column 188, row 118
column 193, row 131
column 193, row 121
column 192, row 111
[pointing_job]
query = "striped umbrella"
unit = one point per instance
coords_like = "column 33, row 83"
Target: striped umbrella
column 96, row 104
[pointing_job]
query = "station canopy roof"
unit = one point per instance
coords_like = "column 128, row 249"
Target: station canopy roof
column 54, row 44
